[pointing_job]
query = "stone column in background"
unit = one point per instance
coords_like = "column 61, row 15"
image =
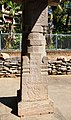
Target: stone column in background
column 34, row 85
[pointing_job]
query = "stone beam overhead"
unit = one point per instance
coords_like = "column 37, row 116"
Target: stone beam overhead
column 50, row 2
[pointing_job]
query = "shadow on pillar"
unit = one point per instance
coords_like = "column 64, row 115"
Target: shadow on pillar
column 31, row 10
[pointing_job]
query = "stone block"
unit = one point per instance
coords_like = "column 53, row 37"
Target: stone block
column 25, row 60
column 37, row 42
column 45, row 60
column 63, row 73
column 44, row 69
column 35, row 108
column 35, row 63
column 63, row 68
column 35, row 57
column 68, row 72
column 26, row 71
column 36, row 49
column 36, row 36
column 42, row 20
column 34, row 92
column 54, row 72
column 35, row 87
column 37, row 28
column 29, row 79
column 35, row 71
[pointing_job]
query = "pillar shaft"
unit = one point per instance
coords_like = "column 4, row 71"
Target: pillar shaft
column 34, row 85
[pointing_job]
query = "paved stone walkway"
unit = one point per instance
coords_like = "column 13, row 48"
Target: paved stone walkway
column 59, row 88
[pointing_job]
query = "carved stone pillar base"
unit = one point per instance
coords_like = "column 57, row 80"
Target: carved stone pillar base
column 34, row 97
column 35, row 108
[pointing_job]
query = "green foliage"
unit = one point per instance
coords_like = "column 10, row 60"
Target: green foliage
column 16, row 42
column 11, row 42
column 13, row 9
column 61, row 16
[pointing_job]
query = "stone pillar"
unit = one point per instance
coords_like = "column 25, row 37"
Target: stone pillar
column 34, row 85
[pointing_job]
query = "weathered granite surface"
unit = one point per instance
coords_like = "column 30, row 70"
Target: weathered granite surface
column 34, row 85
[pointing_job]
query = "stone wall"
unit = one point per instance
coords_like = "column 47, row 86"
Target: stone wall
column 51, row 54
column 59, row 63
column 11, row 67
column 59, row 67
column 12, row 53
column 54, row 54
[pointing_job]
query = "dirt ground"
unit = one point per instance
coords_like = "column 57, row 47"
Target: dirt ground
column 59, row 89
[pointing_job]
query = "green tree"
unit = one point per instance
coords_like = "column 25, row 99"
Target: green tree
column 13, row 9
column 61, row 16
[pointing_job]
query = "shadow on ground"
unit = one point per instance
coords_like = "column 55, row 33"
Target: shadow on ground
column 10, row 102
